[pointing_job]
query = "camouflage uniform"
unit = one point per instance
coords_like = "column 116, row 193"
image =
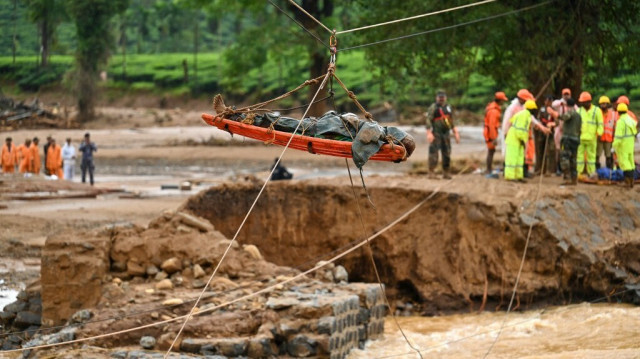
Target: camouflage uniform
column 440, row 122
column 572, row 123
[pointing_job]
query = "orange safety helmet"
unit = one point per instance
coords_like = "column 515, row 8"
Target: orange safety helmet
column 501, row 96
column 566, row 91
column 584, row 97
column 623, row 99
column 525, row 94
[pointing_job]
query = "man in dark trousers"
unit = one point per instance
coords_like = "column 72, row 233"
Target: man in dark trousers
column 87, row 148
column 571, row 128
column 439, row 125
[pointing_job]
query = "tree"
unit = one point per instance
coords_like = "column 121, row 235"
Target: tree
column 319, row 59
column 545, row 47
column 261, row 31
column 92, row 19
column 48, row 14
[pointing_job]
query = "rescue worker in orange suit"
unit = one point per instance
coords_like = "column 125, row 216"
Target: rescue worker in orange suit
column 24, row 154
column 9, row 156
column 54, row 159
column 605, row 141
column 544, row 145
column 492, row 115
column 439, row 125
column 34, row 166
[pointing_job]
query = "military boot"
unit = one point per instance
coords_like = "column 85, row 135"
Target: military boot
column 446, row 175
column 628, row 178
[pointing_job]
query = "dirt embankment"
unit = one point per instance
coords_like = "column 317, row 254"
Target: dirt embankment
column 466, row 241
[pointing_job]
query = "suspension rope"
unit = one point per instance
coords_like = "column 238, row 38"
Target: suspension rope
column 324, row 81
column 373, row 262
column 310, row 16
column 283, row 96
column 415, row 17
column 354, row 98
column 299, row 24
column 524, row 253
column 250, row 295
column 448, row 27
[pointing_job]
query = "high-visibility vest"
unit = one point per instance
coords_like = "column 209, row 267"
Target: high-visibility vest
column 519, row 130
column 609, row 122
column 625, row 133
column 592, row 126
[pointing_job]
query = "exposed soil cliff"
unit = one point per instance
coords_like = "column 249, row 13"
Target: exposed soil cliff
column 470, row 235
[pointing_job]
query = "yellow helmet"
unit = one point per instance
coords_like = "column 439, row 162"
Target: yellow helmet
column 604, row 99
column 622, row 107
column 530, row 105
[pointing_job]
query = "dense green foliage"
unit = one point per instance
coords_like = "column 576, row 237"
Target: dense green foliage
column 248, row 50
column 94, row 37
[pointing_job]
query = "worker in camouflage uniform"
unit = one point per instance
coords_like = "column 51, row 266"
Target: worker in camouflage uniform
column 571, row 132
column 439, row 126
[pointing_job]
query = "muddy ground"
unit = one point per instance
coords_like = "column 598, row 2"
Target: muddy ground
column 485, row 220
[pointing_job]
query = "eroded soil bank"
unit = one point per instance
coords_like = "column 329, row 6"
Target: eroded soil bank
column 465, row 242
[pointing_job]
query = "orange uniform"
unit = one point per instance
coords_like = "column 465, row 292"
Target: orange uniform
column 34, row 166
column 54, row 160
column 24, row 155
column 491, row 124
column 9, row 158
column 530, row 154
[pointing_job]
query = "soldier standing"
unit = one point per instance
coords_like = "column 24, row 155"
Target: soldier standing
column 571, row 132
column 439, row 125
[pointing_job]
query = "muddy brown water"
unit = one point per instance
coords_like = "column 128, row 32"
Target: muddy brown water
column 566, row 332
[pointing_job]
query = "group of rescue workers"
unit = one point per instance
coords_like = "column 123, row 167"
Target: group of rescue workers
column 58, row 161
column 561, row 136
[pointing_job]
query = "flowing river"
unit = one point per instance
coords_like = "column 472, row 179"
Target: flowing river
column 573, row 331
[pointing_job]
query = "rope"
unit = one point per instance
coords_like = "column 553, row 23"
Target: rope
column 415, row 17
column 524, row 254
column 299, row 24
column 310, row 16
column 285, row 95
column 353, row 97
column 292, row 108
column 373, row 262
column 448, row 27
column 324, row 81
column 251, row 295
column 542, row 312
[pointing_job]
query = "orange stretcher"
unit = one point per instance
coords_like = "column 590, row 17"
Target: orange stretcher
column 321, row 146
